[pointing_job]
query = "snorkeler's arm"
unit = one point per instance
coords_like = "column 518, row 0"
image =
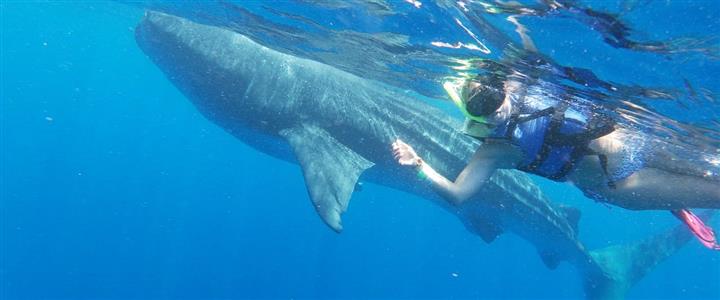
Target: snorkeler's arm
column 488, row 158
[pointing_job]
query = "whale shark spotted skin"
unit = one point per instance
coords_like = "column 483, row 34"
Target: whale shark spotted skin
column 338, row 128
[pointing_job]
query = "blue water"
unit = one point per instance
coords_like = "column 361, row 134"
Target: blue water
column 114, row 186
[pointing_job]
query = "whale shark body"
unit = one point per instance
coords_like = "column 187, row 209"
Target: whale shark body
column 338, row 128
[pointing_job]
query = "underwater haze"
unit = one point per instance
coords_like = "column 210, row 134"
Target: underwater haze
column 113, row 185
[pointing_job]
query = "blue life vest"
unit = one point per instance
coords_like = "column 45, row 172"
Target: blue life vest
column 552, row 143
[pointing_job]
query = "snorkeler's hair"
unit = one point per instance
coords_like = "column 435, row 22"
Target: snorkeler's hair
column 484, row 94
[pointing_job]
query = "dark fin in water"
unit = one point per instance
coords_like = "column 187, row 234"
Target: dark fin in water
column 624, row 265
column 330, row 170
column 489, row 232
column 486, row 229
column 550, row 259
column 572, row 214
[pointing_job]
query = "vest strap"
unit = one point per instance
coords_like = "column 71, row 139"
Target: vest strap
column 551, row 137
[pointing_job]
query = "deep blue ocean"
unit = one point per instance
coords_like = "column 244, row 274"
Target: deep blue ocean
column 112, row 185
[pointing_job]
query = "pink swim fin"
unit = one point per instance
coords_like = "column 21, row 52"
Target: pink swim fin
column 701, row 231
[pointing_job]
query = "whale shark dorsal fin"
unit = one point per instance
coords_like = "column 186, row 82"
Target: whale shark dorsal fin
column 330, row 169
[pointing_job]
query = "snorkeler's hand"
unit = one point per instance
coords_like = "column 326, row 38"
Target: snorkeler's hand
column 405, row 155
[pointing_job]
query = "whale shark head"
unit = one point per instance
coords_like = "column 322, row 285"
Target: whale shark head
column 215, row 68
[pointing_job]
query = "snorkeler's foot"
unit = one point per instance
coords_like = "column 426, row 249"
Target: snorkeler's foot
column 701, row 231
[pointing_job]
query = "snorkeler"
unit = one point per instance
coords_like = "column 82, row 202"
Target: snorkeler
column 522, row 130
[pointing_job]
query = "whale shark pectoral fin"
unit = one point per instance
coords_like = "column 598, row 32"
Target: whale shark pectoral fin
column 330, row 169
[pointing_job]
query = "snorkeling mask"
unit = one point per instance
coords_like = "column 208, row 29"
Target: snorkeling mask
column 479, row 99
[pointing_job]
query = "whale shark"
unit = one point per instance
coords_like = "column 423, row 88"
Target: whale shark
column 338, row 127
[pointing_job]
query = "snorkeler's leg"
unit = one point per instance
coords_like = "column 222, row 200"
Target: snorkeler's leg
column 675, row 162
column 652, row 188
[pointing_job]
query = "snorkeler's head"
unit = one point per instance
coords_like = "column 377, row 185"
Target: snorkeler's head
column 482, row 96
column 480, row 99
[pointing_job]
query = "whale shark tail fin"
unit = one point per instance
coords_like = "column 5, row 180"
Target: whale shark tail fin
column 622, row 266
